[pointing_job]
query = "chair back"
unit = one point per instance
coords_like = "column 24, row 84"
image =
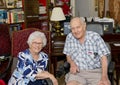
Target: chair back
column 5, row 42
column 19, row 41
column 96, row 28
column 99, row 29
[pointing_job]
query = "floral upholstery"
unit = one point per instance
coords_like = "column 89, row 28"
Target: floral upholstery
column 5, row 42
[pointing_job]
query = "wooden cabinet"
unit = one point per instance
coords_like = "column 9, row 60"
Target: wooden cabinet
column 31, row 9
column 36, row 14
column 11, row 13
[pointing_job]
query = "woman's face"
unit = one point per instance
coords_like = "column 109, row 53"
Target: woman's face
column 36, row 45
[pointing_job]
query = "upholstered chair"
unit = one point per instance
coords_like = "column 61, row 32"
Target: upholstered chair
column 5, row 42
column 5, row 51
column 19, row 43
column 111, row 65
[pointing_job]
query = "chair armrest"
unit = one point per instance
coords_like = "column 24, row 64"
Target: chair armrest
column 48, row 81
column 6, row 71
column 111, row 67
column 66, row 67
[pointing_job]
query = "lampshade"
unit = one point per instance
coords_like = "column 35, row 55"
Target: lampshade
column 57, row 14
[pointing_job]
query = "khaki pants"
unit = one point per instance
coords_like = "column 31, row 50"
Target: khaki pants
column 85, row 77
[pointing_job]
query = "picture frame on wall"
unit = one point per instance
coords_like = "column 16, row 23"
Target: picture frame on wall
column 66, row 28
column 2, row 4
column 10, row 3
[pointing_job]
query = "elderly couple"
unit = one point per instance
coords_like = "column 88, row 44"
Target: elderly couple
column 85, row 51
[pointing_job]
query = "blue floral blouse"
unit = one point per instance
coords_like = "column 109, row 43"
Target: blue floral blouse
column 27, row 68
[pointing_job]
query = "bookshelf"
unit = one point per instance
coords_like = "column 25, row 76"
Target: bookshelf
column 11, row 13
column 22, row 14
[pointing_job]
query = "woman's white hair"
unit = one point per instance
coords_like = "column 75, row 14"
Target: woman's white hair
column 37, row 34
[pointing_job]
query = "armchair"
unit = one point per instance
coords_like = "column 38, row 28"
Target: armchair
column 5, row 42
column 19, row 43
column 111, row 65
column 5, row 52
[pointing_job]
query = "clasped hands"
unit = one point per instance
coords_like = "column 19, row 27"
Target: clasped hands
column 46, row 74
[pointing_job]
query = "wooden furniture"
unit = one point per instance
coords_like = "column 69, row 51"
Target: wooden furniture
column 12, row 14
column 36, row 14
column 25, row 14
column 57, row 51
column 114, row 39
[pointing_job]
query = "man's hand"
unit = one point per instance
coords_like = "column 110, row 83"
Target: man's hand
column 73, row 68
column 104, row 81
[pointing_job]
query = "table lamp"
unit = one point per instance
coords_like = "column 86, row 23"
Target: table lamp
column 56, row 16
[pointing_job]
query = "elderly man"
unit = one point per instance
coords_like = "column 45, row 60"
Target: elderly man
column 87, row 54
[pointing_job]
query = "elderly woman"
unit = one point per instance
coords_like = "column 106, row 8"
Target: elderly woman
column 32, row 63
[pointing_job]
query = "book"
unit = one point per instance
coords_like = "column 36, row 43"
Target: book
column 3, row 16
column 14, row 27
column 15, row 16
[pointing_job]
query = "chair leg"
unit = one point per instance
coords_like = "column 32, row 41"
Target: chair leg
column 117, row 76
column 111, row 77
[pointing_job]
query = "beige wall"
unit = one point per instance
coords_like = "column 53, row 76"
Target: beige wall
column 86, row 8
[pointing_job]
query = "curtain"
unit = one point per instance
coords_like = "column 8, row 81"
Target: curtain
column 114, row 8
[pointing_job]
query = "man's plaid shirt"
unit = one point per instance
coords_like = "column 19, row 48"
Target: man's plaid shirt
column 87, row 55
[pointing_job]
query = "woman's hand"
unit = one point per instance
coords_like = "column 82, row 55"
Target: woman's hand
column 46, row 74
column 54, row 80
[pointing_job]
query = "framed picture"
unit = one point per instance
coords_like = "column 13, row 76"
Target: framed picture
column 10, row 3
column 2, row 4
column 66, row 28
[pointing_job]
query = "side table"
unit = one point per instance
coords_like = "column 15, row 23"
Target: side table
column 116, row 58
column 57, row 50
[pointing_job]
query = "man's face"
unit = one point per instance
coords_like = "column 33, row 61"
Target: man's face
column 78, row 29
